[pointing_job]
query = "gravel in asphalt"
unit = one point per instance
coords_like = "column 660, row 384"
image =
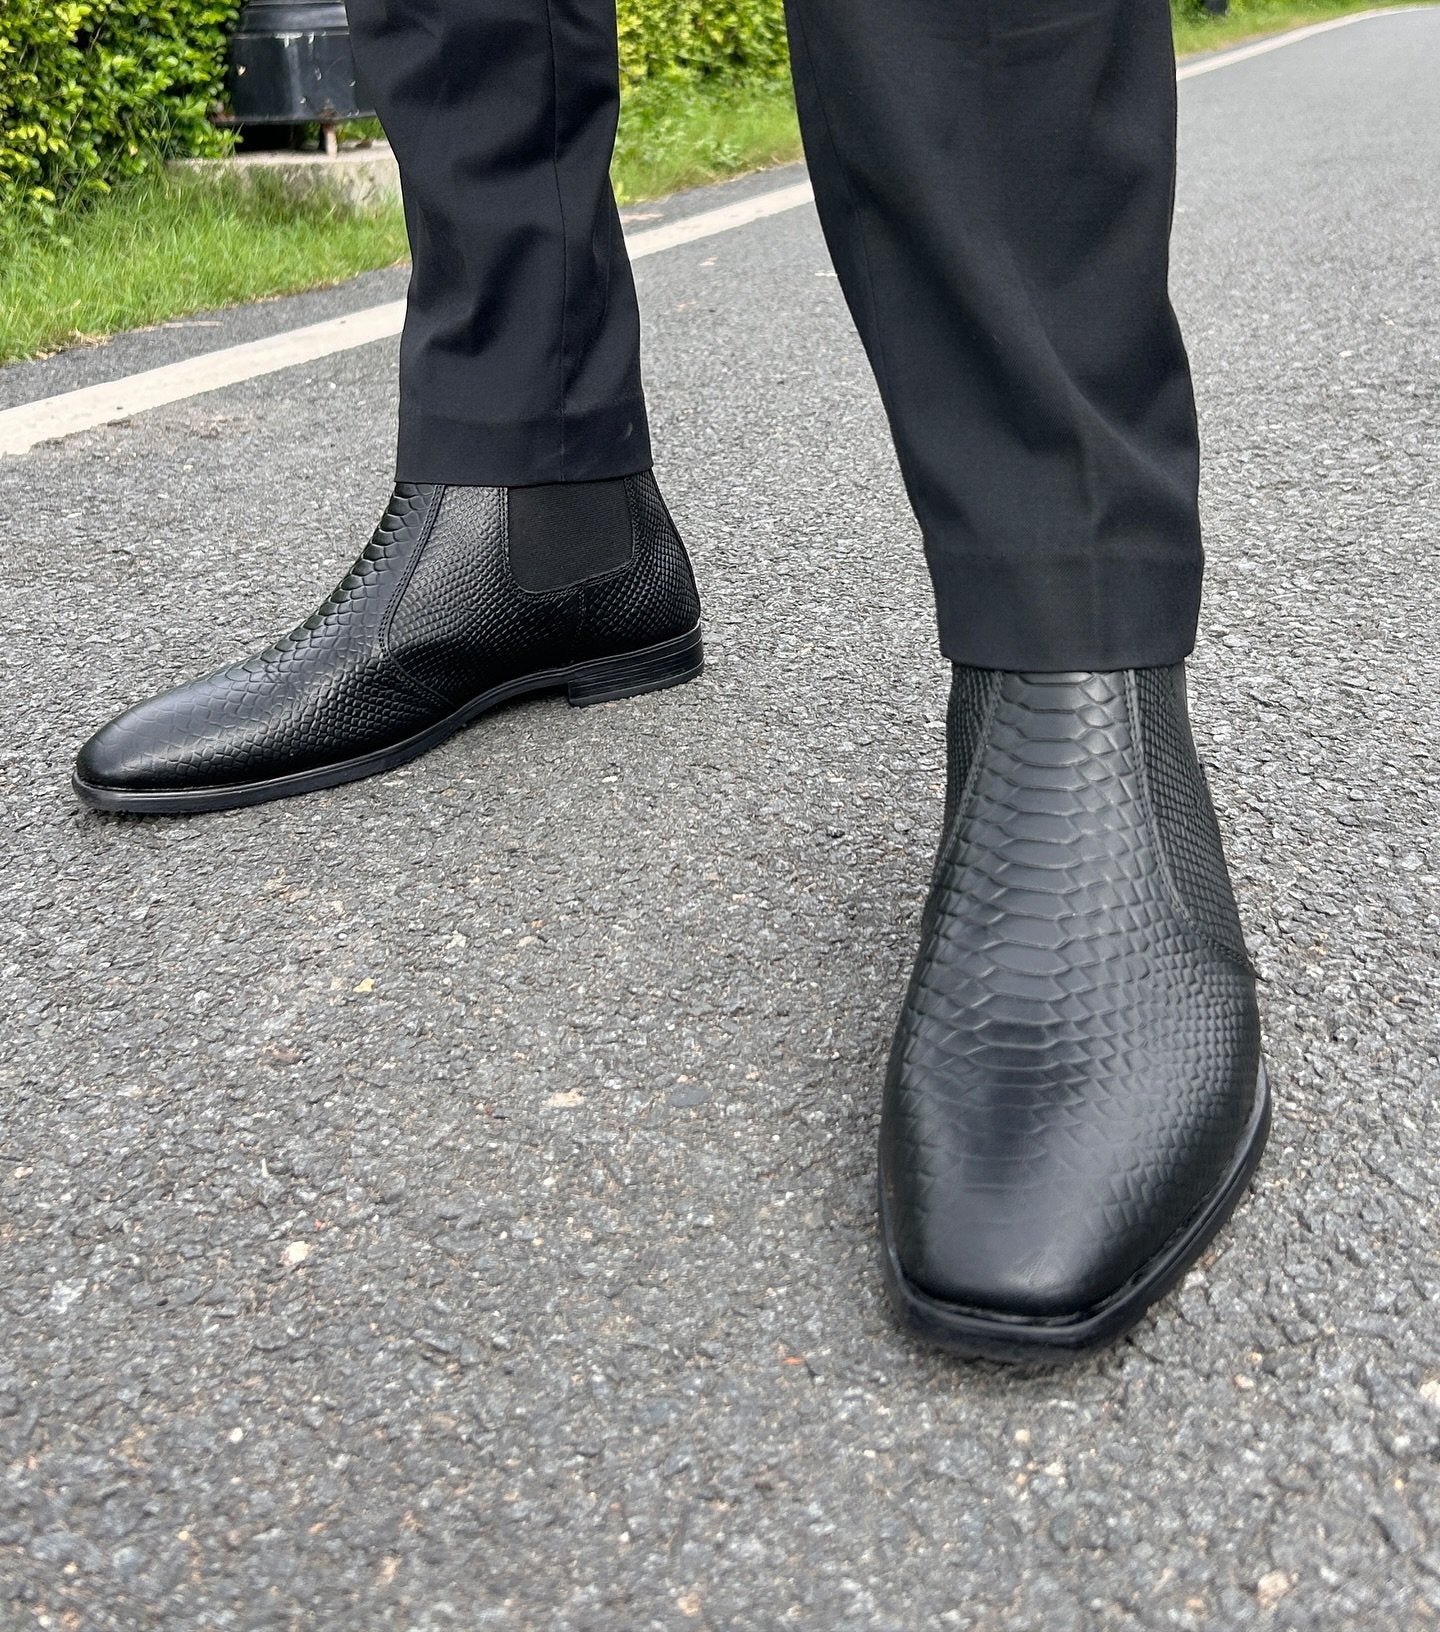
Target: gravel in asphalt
column 446, row 1202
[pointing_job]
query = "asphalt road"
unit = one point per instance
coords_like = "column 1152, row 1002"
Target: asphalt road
column 445, row 1202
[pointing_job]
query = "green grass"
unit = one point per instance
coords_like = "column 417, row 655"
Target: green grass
column 674, row 136
column 163, row 246
column 166, row 246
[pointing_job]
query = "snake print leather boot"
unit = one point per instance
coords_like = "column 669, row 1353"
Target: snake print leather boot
column 440, row 619
column 1076, row 1099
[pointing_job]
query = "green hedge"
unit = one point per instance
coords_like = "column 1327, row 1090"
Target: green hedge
column 94, row 90
column 687, row 39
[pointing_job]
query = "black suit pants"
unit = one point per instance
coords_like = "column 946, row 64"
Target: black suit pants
column 995, row 182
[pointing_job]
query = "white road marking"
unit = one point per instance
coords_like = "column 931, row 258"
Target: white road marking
column 22, row 428
column 725, row 219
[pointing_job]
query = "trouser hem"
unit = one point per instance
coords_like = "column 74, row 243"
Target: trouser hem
column 1063, row 614
column 592, row 447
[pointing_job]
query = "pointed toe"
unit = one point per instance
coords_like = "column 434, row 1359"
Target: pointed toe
column 120, row 760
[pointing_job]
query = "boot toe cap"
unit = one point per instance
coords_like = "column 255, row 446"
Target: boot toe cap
column 151, row 748
column 1040, row 1265
column 125, row 757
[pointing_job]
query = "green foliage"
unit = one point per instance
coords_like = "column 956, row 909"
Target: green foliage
column 697, row 39
column 684, row 133
column 95, row 90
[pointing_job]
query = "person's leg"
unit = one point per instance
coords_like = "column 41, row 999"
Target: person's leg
column 520, row 361
column 995, row 183
column 1075, row 1098
column 526, row 546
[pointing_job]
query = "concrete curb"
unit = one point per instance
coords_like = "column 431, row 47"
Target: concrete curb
column 358, row 175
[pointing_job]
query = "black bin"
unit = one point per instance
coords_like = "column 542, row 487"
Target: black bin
column 290, row 64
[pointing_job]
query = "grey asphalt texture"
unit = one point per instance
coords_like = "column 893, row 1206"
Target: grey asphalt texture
column 446, row 1202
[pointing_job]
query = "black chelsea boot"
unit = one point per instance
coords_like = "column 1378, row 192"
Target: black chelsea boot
column 1076, row 1098
column 465, row 598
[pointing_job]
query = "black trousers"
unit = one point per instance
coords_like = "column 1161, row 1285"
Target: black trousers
column 995, row 181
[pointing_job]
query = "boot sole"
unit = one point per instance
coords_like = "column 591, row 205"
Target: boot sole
column 982, row 1334
column 601, row 680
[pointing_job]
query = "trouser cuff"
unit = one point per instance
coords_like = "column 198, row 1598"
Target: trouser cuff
column 1068, row 613
column 585, row 447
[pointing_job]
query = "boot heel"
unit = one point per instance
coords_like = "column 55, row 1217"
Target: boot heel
column 608, row 679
